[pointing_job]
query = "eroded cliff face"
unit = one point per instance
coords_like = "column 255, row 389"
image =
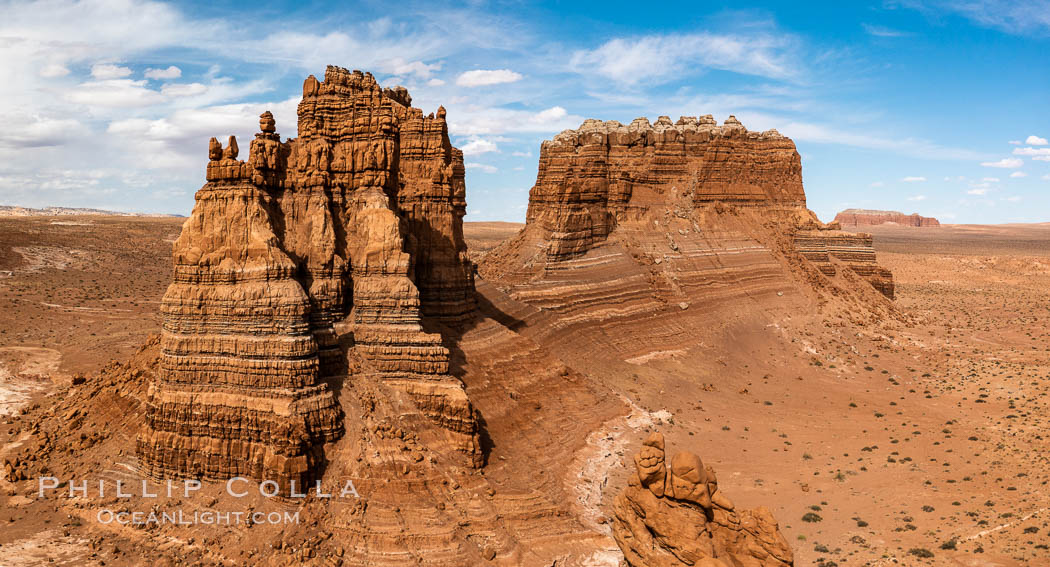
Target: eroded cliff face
column 343, row 238
column 672, row 514
column 714, row 201
column 867, row 217
column 593, row 178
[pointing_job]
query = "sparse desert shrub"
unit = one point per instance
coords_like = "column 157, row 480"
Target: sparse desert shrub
column 920, row 552
column 811, row 518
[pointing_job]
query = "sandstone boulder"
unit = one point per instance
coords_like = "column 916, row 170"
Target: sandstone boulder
column 690, row 522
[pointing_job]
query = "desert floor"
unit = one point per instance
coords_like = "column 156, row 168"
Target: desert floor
column 918, row 442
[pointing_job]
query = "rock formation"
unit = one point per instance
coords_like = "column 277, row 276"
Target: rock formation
column 867, row 217
column 855, row 250
column 604, row 172
column 713, row 196
column 673, row 514
column 345, row 237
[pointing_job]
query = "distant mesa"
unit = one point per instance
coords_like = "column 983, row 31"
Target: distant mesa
column 869, row 217
column 11, row 211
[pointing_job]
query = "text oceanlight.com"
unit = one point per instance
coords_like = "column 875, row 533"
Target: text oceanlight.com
column 207, row 517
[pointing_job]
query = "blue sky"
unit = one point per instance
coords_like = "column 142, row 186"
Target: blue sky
column 939, row 107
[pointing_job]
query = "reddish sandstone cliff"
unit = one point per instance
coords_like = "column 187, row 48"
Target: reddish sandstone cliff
column 716, row 197
column 345, row 236
column 865, row 217
column 592, row 178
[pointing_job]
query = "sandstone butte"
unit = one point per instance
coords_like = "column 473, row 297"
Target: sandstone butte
column 355, row 223
column 675, row 192
column 325, row 323
column 868, row 217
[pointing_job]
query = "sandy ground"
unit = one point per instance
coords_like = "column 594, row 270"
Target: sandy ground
column 917, row 443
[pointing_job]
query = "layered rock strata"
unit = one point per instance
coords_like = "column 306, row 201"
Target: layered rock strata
column 345, row 237
column 698, row 203
column 593, row 178
column 855, row 250
column 673, row 514
column 866, row 217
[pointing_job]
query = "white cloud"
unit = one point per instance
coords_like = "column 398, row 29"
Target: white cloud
column 121, row 93
column 1046, row 177
column 483, row 167
column 521, row 154
column 1005, row 163
column 1015, row 142
column 1035, row 141
column 820, row 133
column 183, row 89
column 36, row 131
column 54, row 70
column 470, row 119
column 990, row 179
column 1018, row 174
column 977, row 191
column 655, row 58
column 913, row 179
column 103, row 71
column 435, row 83
column 483, row 77
column 171, row 72
column 421, row 70
column 478, row 145
column 1021, row 18
column 1038, row 154
column 917, row 198
column 880, row 31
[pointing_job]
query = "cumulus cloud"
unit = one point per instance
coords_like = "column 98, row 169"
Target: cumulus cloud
column 483, row 167
column 53, row 70
column 172, row 72
column 1018, row 174
column 1034, row 140
column 435, row 83
column 471, row 119
column 1005, row 163
column 478, row 145
column 483, row 77
column 1038, row 154
column 184, row 89
column 649, row 58
column 913, row 179
column 419, row 69
column 121, row 93
column 36, row 131
column 103, row 71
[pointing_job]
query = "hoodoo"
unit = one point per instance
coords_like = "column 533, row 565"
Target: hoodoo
column 345, row 237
